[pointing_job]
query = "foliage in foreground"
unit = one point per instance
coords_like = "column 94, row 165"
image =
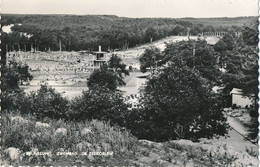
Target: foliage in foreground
column 13, row 73
column 28, row 135
column 100, row 103
column 175, row 104
column 97, row 103
column 25, row 134
column 179, row 103
column 45, row 102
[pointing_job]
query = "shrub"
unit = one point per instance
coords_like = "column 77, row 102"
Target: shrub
column 45, row 102
column 100, row 103
column 12, row 99
column 234, row 106
column 103, row 78
column 253, row 112
column 28, row 137
column 13, row 73
column 15, row 134
column 109, row 76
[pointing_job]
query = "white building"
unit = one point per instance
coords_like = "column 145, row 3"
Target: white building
column 239, row 99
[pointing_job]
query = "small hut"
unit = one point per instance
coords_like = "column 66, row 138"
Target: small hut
column 239, row 99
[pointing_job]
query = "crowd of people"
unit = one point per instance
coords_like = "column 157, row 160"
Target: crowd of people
column 62, row 68
column 55, row 68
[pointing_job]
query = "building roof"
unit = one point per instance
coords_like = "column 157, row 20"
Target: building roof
column 236, row 91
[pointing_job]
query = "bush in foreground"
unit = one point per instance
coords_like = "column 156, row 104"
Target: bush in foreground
column 23, row 135
column 100, row 103
column 45, row 102
column 27, row 135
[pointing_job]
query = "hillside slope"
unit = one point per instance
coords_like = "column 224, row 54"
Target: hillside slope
column 131, row 56
column 24, row 137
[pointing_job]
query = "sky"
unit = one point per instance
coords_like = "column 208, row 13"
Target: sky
column 135, row 8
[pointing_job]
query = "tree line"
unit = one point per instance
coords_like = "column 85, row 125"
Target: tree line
column 87, row 32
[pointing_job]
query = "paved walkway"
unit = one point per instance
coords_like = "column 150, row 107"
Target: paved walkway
column 234, row 123
column 235, row 136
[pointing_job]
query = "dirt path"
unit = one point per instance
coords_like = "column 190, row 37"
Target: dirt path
column 234, row 123
column 238, row 135
column 235, row 137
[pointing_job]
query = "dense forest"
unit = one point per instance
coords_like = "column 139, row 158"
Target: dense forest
column 76, row 32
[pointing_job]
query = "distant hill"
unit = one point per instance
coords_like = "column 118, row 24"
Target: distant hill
column 64, row 20
column 223, row 21
column 86, row 32
column 67, row 20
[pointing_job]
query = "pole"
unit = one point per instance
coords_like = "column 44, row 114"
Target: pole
column 60, row 44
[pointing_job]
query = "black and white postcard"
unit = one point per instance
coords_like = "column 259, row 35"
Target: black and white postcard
column 129, row 83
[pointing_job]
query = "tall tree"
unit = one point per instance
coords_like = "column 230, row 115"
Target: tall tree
column 250, row 62
column 105, row 77
column 150, row 34
column 230, row 61
column 195, row 54
column 115, row 63
column 150, row 59
column 225, row 45
column 179, row 99
column 13, row 73
column 12, row 95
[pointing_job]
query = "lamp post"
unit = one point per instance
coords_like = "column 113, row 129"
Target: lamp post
column 193, row 54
